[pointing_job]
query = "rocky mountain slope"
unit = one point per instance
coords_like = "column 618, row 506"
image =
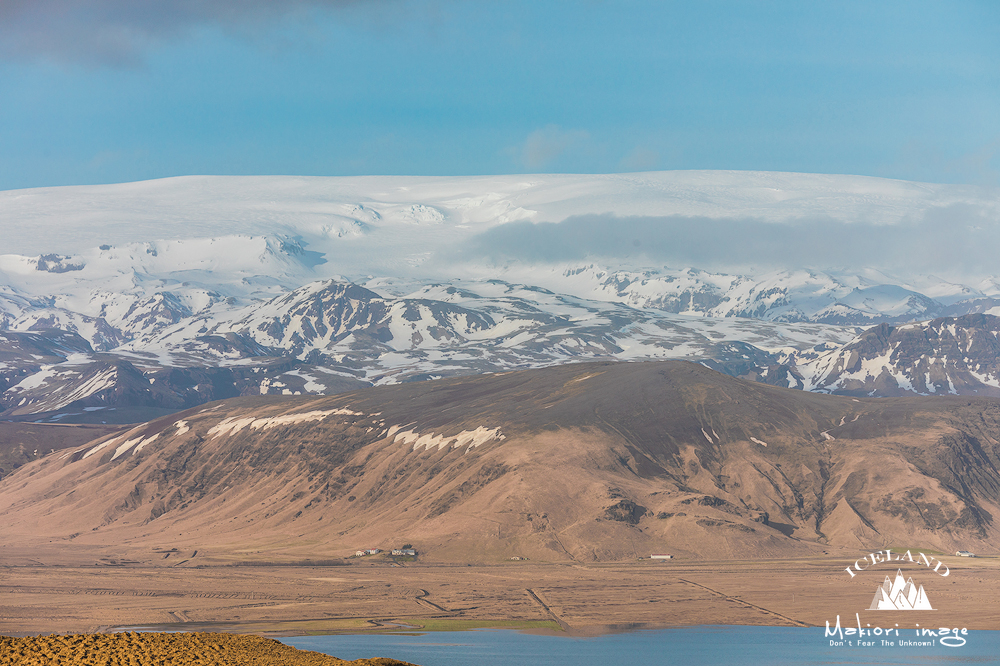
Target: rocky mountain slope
column 946, row 356
column 581, row 462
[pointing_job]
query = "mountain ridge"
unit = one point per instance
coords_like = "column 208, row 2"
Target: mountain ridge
column 331, row 336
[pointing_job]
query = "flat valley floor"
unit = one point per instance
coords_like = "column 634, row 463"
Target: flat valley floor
column 372, row 594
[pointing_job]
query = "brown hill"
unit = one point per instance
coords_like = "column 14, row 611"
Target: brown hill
column 601, row 461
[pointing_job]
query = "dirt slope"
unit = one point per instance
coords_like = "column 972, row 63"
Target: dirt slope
column 586, row 462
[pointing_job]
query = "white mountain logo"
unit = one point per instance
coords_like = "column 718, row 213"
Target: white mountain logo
column 900, row 594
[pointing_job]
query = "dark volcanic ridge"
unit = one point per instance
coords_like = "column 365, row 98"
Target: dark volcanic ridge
column 20, row 443
column 582, row 462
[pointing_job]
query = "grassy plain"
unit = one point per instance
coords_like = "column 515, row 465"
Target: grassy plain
column 376, row 595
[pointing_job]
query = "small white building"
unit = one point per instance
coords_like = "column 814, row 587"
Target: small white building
column 373, row 551
column 361, row 553
column 404, row 551
column 965, row 553
column 661, row 556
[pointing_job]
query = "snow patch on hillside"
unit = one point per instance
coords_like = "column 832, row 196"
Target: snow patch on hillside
column 470, row 439
column 232, row 425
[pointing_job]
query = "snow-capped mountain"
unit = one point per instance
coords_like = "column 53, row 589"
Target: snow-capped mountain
column 168, row 293
column 330, row 336
column 786, row 296
column 946, row 356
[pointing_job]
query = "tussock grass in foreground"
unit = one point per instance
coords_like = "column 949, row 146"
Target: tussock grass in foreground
column 155, row 649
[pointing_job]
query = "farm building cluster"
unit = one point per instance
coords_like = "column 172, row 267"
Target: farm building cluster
column 405, row 551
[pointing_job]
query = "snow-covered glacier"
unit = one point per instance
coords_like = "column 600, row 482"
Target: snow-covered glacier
column 167, row 293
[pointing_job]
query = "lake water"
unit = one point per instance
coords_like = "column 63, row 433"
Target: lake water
column 688, row 646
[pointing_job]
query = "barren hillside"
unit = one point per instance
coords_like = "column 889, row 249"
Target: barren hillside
column 583, row 462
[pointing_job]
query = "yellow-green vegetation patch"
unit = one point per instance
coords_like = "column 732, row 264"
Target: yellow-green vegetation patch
column 318, row 627
column 448, row 624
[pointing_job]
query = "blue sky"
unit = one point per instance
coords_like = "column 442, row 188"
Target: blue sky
column 96, row 91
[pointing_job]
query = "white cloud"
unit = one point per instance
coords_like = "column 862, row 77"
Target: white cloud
column 545, row 145
column 640, row 159
column 957, row 240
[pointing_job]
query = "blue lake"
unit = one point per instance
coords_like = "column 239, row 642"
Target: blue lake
column 688, row 646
